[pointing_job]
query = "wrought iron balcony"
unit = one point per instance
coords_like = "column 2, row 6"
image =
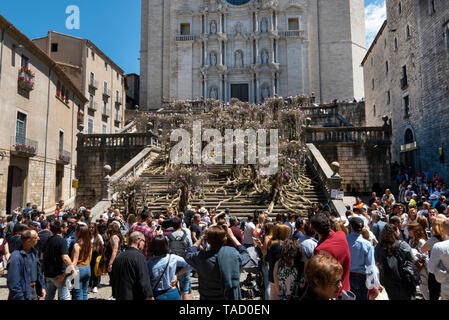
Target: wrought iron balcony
column 93, row 106
column 119, row 100
column 64, row 156
column 107, row 92
column 26, row 79
column 22, row 146
column 93, row 83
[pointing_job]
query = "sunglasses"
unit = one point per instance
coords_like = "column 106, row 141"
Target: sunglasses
column 337, row 283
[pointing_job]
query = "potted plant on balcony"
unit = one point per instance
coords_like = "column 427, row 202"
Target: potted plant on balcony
column 26, row 78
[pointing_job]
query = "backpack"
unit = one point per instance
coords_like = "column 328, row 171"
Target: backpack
column 404, row 270
column 300, row 286
column 408, row 271
column 178, row 244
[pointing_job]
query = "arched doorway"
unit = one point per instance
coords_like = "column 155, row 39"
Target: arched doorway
column 16, row 179
column 410, row 155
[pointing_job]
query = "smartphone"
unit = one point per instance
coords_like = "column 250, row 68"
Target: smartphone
column 255, row 239
column 158, row 228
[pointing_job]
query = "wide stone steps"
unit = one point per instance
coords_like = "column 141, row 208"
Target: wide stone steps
column 158, row 186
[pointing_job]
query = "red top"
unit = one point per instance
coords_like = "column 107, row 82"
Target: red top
column 336, row 245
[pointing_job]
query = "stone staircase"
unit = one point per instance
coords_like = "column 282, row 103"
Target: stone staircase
column 158, row 185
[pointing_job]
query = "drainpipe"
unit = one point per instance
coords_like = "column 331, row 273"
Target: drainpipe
column 71, row 148
column 46, row 135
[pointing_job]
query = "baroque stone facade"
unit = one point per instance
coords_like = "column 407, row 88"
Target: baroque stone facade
column 406, row 78
column 251, row 49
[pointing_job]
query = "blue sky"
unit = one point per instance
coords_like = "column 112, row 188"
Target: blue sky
column 101, row 20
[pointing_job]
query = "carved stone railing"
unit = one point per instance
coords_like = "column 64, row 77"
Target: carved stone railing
column 291, row 33
column 328, row 178
column 349, row 135
column 118, row 140
column 133, row 169
column 188, row 37
column 129, row 128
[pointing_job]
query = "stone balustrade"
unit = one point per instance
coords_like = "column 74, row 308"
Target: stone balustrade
column 118, row 140
column 328, row 178
column 349, row 135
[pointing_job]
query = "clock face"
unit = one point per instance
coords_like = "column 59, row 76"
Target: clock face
column 238, row 2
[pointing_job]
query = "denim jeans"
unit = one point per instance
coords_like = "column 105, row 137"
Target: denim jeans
column 170, row 294
column 265, row 270
column 52, row 286
column 184, row 283
column 84, row 276
column 94, row 281
column 358, row 286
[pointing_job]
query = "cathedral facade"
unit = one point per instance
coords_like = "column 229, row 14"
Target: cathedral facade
column 251, row 49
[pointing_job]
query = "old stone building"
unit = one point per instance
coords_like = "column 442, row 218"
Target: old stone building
column 251, row 49
column 39, row 105
column 406, row 79
column 99, row 78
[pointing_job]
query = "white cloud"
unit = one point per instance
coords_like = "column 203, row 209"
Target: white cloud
column 375, row 15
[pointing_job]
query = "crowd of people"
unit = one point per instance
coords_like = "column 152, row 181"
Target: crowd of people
column 384, row 244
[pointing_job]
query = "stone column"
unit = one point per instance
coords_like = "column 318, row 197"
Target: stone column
column 206, row 88
column 271, row 21
column 226, row 88
column 272, row 51
column 258, row 87
column 272, row 84
column 220, row 96
column 220, row 53
column 257, row 22
column 220, row 19
column 277, row 51
column 204, row 53
column 257, row 52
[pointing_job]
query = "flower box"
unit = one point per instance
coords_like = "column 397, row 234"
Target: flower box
column 25, row 148
column 26, row 79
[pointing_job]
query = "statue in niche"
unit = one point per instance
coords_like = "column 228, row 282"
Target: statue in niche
column 264, row 25
column 213, row 27
column 214, row 93
column 213, row 59
column 239, row 58
column 265, row 57
column 265, row 91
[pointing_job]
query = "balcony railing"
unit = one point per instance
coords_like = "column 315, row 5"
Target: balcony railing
column 26, row 79
column 117, row 140
column 404, row 82
column 93, row 106
column 64, row 156
column 188, row 37
column 291, row 33
column 118, row 100
column 107, row 92
column 93, row 84
column 105, row 113
column 23, row 147
column 354, row 135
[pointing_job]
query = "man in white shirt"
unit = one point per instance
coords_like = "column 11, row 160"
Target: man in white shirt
column 248, row 232
column 439, row 263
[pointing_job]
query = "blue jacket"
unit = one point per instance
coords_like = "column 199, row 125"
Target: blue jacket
column 19, row 276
